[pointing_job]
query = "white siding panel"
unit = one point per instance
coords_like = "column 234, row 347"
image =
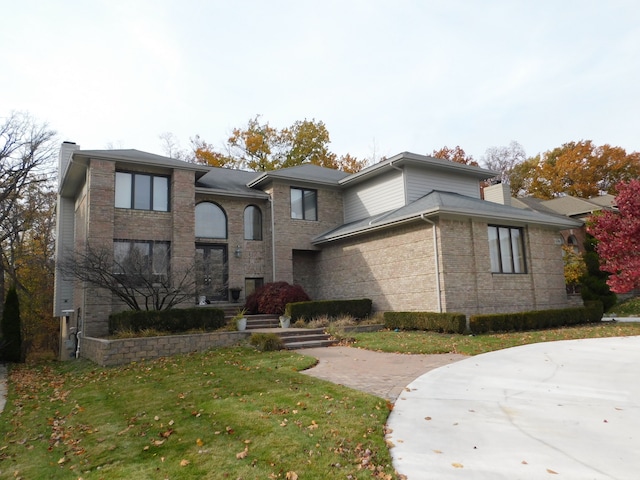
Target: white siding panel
column 63, row 289
column 378, row 195
column 420, row 182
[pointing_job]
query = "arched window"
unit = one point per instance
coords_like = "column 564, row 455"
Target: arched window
column 572, row 242
column 211, row 221
column 252, row 223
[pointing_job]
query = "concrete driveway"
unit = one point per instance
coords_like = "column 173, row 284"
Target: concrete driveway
column 566, row 410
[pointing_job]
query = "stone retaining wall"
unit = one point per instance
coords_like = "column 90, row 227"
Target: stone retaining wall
column 117, row 352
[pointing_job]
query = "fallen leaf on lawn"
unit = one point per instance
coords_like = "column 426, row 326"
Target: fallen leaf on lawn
column 243, row 454
column 437, row 451
column 551, row 471
column 156, row 418
column 427, row 418
column 313, row 425
column 166, row 433
column 199, row 442
column 171, row 423
column 157, row 443
column 292, row 476
column 184, row 463
column 457, row 465
column 229, row 430
column 62, row 460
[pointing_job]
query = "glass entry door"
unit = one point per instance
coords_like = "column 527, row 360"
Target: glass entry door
column 212, row 273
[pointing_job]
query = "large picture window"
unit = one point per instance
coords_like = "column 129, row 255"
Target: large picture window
column 304, row 204
column 211, row 221
column 141, row 191
column 506, row 249
column 146, row 261
column 252, row 223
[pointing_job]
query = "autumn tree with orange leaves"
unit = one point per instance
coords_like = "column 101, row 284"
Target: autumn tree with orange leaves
column 581, row 169
column 260, row 147
column 456, row 154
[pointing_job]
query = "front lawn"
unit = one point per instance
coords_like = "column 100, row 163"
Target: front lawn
column 431, row 342
column 228, row 413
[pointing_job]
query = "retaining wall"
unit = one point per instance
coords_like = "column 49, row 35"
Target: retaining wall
column 117, row 352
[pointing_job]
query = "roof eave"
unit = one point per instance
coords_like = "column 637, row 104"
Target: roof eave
column 227, row 193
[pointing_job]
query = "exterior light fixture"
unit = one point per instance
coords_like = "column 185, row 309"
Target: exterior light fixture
column 238, row 252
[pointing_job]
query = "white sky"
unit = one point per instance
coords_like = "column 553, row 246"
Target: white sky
column 384, row 76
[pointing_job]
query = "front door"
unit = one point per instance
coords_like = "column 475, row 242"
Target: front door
column 212, row 273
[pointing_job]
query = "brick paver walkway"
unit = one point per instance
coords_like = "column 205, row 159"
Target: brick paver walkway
column 382, row 374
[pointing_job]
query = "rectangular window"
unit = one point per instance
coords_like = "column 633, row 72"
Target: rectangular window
column 142, row 261
column 506, row 249
column 142, row 191
column 304, row 204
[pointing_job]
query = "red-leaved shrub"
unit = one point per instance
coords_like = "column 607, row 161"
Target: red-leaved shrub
column 273, row 297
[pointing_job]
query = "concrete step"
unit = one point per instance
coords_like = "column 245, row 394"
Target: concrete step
column 262, row 321
column 309, row 344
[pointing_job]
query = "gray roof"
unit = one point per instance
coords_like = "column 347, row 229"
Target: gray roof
column 408, row 158
column 307, row 172
column 229, row 182
column 437, row 203
column 136, row 156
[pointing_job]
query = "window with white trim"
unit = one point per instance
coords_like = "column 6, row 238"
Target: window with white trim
column 506, row 249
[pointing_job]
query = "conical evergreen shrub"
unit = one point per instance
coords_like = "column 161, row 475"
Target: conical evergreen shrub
column 11, row 328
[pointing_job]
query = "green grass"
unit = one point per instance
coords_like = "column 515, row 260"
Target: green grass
column 629, row 308
column 229, row 413
column 431, row 342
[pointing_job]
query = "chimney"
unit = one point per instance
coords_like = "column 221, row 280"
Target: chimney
column 64, row 158
column 498, row 193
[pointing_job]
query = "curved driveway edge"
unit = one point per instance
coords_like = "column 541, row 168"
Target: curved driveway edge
column 568, row 409
column 383, row 374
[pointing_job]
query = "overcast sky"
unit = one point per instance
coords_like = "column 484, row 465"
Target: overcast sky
column 384, row 76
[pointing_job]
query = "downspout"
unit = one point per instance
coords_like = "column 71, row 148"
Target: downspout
column 273, row 241
column 437, row 263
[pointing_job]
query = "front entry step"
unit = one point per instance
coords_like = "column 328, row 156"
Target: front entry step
column 292, row 338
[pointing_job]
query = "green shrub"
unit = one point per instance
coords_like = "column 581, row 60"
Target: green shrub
column 266, row 342
column 536, row 320
column 11, row 328
column 359, row 308
column 428, row 321
column 174, row 320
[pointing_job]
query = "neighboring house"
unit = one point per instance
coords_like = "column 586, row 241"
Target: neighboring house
column 573, row 207
column 411, row 232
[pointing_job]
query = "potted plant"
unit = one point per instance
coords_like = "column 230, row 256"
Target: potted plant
column 240, row 320
column 235, row 293
column 285, row 321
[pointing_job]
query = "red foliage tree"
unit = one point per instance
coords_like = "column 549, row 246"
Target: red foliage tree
column 273, row 297
column 618, row 236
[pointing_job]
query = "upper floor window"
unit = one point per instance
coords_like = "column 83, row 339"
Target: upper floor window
column 211, row 221
column 304, row 204
column 506, row 249
column 141, row 261
column 252, row 223
column 572, row 241
column 142, row 191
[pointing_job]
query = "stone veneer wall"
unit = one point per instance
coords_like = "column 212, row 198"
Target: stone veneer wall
column 117, row 352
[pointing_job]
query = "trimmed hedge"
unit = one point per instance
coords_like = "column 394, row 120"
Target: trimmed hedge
column 175, row 320
column 431, row 321
column 536, row 320
column 360, row 308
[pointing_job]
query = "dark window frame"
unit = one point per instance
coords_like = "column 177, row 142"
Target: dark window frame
column 255, row 223
column 119, row 266
column 303, row 214
column 152, row 185
column 500, row 257
column 224, row 214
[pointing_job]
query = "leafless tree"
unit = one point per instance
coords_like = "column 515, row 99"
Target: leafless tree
column 27, row 151
column 141, row 280
column 504, row 159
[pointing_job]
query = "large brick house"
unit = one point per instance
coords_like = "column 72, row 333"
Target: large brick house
column 411, row 232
